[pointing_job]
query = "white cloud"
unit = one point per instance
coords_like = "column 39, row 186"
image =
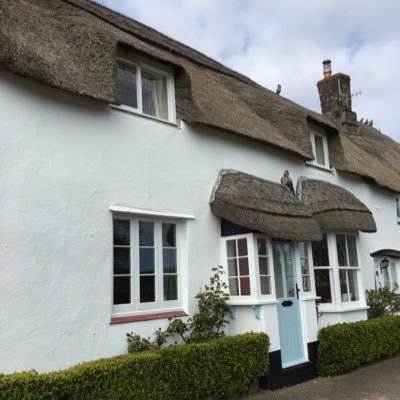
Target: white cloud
column 285, row 42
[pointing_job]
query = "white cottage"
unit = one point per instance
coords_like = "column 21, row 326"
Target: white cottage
column 132, row 164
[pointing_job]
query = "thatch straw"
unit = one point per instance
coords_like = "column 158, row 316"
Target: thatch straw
column 262, row 206
column 72, row 45
column 335, row 208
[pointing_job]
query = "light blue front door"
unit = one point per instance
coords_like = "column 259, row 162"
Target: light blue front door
column 290, row 331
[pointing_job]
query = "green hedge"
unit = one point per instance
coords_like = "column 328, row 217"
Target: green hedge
column 220, row 367
column 343, row 347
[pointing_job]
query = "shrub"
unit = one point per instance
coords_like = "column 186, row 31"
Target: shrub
column 382, row 301
column 219, row 367
column 343, row 347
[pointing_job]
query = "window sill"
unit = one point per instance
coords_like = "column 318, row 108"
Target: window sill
column 321, row 167
column 343, row 310
column 133, row 111
column 147, row 317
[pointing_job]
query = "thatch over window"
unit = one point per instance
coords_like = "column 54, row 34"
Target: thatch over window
column 262, row 206
column 386, row 253
column 335, row 208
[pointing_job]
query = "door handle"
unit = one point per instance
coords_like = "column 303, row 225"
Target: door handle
column 297, row 291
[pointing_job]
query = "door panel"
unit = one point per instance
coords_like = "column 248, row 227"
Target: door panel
column 290, row 331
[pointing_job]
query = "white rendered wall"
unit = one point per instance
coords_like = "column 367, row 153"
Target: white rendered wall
column 64, row 161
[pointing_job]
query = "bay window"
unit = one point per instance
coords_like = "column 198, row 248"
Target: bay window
column 322, row 270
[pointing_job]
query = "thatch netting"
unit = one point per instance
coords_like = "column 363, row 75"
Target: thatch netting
column 335, row 208
column 262, row 206
column 73, row 44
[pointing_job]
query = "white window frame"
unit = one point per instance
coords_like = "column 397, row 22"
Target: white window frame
column 311, row 292
column 139, row 65
column 393, row 272
column 337, row 304
column 255, row 296
column 324, row 138
column 159, row 305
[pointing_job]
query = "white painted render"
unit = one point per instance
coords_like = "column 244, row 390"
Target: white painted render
column 64, row 161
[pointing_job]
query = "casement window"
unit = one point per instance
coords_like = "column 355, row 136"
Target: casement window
column 390, row 276
column 305, row 266
column 348, row 267
column 319, row 144
column 146, row 265
column 322, row 270
column 337, row 269
column 146, row 90
column 248, row 267
column 398, row 210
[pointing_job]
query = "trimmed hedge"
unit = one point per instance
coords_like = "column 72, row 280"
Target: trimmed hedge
column 343, row 347
column 219, row 367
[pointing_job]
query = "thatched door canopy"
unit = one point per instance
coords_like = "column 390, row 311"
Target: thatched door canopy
column 335, row 208
column 386, row 253
column 262, row 206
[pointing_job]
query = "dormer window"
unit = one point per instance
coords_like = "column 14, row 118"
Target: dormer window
column 146, row 90
column 319, row 145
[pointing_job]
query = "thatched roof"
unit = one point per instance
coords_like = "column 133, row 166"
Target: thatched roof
column 262, row 206
column 72, row 45
column 335, row 208
column 386, row 253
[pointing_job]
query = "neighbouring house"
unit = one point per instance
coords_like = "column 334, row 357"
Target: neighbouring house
column 132, row 164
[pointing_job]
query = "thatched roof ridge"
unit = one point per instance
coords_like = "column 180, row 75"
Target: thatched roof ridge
column 72, row 45
column 335, row 208
column 262, row 206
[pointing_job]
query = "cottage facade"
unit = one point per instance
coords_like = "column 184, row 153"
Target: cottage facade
column 131, row 165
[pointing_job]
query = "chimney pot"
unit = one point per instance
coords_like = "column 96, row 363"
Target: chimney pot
column 327, row 68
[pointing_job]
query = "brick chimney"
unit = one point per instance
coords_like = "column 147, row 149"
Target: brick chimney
column 335, row 96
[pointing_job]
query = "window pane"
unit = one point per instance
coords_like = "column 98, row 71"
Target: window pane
column 127, row 85
column 304, row 266
column 322, row 285
column 352, row 249
column 147, row 289
column 242, row 247
column 154, row 94
column 245, row 286
column 232, row 267
column 398, row 207
column 353, row 285
column 122, row 260
column 320, row 253
column 306, row 283
column 233, row 287
column 341, row 250
column 121, row 232
column 146, row 261
column 231, row 248
column 168, row 235
column 303, row 250
column 386, row 280
column 394, row 274
column 263, row 265
column 278, row 272
column 319, row 149
column 262, row 247
column 244, row 266
column 343, row 285
column 170, row 287
column 169, row 260
column 122, row 290
column 265, row 285
column 146, row 233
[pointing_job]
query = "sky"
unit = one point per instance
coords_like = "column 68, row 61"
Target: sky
column 285, row 42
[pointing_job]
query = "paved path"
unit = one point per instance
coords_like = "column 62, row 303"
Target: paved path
column 377, row 381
